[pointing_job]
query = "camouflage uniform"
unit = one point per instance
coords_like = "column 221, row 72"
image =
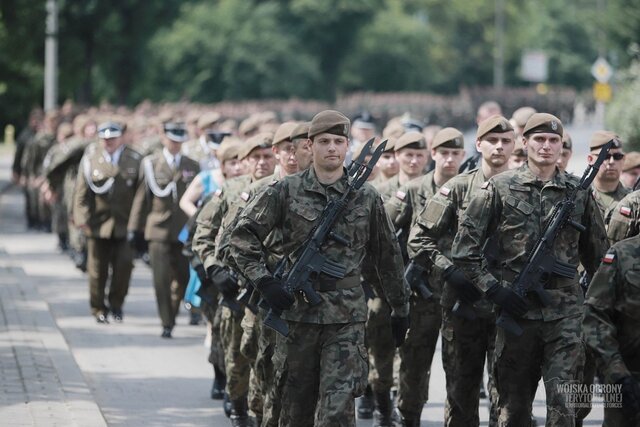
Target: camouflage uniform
column 611, row 323
column 38, row 213
column 625, row 218
column 465, row 343
column 514, row 206
column 416, row 354
column 607, row 201
column 322, row 365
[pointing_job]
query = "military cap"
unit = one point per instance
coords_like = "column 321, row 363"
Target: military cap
column 393, row 129
column 283, row 133
column 631, row 161
column 522, row 115
column 208, row 119
column 109, row 130
column 364, row 120
column 377, row 142
column 495, row 123
column 448, row 138
column 267, row 117
column 176, row 131
column 567, row 143
column 601, row 137
column 543, row 123
column 410, row 124
column 329, row 121
column 300, row 131
column 411, row 139
column 249, row 125
column 261, row 140
column 229, row 149
column 391, row 144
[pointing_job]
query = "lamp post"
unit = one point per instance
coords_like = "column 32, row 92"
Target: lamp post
column 51, row 57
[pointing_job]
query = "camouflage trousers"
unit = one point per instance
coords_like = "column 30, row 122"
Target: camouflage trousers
column 106, row 255
column 249, row 349
column 465, row 345
column 320, row 369
column 380, row 345
column 416, row 355
column 237, row 366
column 213, row 314
column 550, row 349
column 588, row 376
column 614, row 417
column 170, row 277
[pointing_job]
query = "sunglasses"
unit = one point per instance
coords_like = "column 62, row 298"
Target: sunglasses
column 616, row 156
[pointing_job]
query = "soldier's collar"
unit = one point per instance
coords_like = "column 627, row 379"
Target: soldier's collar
column 312, row 183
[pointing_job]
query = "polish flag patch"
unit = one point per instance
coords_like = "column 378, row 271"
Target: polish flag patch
column 445, row 191
column 401, row 195
column 218, row 193
column 625, row 210
column 244, row 196
column 484, row 185
column 609, row 258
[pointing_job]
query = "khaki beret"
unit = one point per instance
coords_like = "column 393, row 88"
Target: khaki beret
column 300, row 131
column 391, row 144
column 601, row 137
column 494, row 123
column 631, row 161
column 229, row 148
column 567, row 143
column 261, row 140
column 448, row 138
column 411, row 139
column 283, row 133
column 358, row 151
column 543, row 123
column 208, row 119
column 249, row 125
column 522, row 115
column 329, row 121
column 393, row 129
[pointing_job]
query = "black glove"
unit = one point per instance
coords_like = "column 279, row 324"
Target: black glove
column 465, row 289
column 222, row 280
column 630, row 398
column 508, row 300
column 200, row 271
column 399, row 328
column 275, row 295
column 136, row 241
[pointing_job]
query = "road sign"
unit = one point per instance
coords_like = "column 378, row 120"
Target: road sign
column 602, row 92
column 601, row 70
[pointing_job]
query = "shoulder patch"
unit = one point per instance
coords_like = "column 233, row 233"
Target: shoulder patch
column 609, row 258
column 445, row 191
column 244, row 196
column 274, row 182
column 625, row 210
column 401, row 195
column 218, row 192
column 485, row 185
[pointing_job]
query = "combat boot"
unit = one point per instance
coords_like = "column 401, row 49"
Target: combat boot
column 406, row 419
column 219, row 382
column 382, row 413
column 239, row 416
column 365, row 405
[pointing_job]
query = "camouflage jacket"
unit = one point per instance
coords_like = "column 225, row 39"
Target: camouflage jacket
column 294, row 204
column 387, row 188
column 625, row 218
column 608, row 201
column 436, row 226
column 611, row 324
column 514, row 206
column 217, row 215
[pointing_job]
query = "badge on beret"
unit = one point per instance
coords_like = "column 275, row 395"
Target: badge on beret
column 218, row 192
column 503, row 126
column 244, row 196
column 485, row 185
column 626, row 211
column 609, row 258
column 554, row 125
column 445, row 191
column 401, row 195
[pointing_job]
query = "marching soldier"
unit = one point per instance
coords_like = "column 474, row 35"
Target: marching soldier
column 625, row 218
column 631, row 170
column 514, row 206
column 157, row 217
column 567, row 151
column 105, row 188
column 322, row 364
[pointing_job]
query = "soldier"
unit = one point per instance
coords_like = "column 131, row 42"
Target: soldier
column 631, row 170
column 203, row 149
column 513, row 206
column 411, row 154
column 567, row 151
column 519, row 119
column 417, row 353
column 29, row 132
column 300, row 140
column 625, row 218
column 387, row 163
column 465, row 341
column 322, row 364
column 607, row 188
column 611, row 325
column 155, row 212
column 105, row 188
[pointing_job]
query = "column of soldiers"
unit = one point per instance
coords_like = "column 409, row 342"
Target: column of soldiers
column 459, row 240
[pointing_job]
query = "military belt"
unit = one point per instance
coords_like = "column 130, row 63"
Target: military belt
column 328, row 284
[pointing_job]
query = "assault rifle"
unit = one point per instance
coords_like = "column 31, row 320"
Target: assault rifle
column 542, row 264
column 414, row 274
column 311, row 262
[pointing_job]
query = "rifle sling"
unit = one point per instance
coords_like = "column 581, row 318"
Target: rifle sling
column 327, row 284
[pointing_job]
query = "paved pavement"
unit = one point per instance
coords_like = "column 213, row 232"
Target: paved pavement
column 59, row 367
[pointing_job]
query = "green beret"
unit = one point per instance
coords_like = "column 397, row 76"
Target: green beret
column 601, row 137
column 495, row 123
column 567, row 143
column 448, row 138
column 261, row 140
column 283, row 133
column 412, row 139
column 543, row 123
column 329, row 121
column 300, row 131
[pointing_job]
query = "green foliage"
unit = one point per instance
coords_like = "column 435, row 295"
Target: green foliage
column 622, row 112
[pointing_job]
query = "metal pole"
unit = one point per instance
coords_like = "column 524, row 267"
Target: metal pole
column 51, row 57
column 498, row 55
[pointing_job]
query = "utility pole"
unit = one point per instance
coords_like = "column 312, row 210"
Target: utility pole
column 498, row 54
column 51, row 57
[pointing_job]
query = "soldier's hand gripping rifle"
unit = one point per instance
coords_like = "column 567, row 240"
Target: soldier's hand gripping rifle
column 542, row 264
column 311, row 262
